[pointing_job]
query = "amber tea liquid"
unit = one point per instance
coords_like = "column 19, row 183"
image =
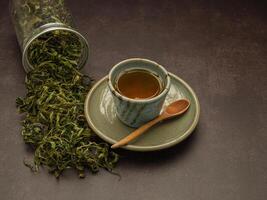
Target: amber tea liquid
column 138, row 84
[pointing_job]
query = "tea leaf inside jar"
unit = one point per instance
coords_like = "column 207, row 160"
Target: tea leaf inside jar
column 59, row 46
column 30, row 15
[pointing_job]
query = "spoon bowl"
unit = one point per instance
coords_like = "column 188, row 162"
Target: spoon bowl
column 177, row 107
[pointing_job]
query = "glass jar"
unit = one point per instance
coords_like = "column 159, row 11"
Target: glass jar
column 46, row 20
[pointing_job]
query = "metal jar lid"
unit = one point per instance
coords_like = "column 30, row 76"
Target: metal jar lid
column 49, row 28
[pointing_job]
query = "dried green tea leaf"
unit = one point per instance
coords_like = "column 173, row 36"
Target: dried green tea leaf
column 55, row 125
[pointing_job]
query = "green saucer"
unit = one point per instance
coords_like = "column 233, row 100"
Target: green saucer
column 101, row 116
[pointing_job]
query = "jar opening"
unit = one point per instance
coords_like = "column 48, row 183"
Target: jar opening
column 59, row 45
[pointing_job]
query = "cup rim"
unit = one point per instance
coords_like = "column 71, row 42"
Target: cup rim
column 116, row 93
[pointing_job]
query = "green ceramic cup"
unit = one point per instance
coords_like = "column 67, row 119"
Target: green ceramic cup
column 136, row 112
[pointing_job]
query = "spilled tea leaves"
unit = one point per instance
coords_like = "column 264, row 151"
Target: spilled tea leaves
column 55, row 125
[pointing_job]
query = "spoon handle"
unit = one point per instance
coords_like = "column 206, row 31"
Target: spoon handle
column 137, row 133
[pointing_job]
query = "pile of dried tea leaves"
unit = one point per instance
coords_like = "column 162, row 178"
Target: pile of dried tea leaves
column 54, row 124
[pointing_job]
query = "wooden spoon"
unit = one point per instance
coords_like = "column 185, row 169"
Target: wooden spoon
column 174, row 109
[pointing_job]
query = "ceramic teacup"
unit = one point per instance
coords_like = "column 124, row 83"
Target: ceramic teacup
column 136, row 112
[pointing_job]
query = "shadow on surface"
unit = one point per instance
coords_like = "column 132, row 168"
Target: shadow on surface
column 162, row 156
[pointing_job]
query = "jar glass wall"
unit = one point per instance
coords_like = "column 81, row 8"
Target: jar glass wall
column 46, row 33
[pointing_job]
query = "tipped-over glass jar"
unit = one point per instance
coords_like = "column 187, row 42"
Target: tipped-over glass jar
column 45, row 33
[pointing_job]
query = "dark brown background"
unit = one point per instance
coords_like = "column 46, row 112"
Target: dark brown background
column 219, row 48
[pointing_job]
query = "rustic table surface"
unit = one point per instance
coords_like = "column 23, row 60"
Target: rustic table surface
column 219, row 48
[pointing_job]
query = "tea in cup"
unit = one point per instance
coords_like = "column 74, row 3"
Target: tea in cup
column 139, row 88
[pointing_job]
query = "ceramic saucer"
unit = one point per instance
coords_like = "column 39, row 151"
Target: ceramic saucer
column 101, row 116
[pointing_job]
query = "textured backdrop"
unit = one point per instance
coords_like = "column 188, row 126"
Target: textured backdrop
column 219, row 48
